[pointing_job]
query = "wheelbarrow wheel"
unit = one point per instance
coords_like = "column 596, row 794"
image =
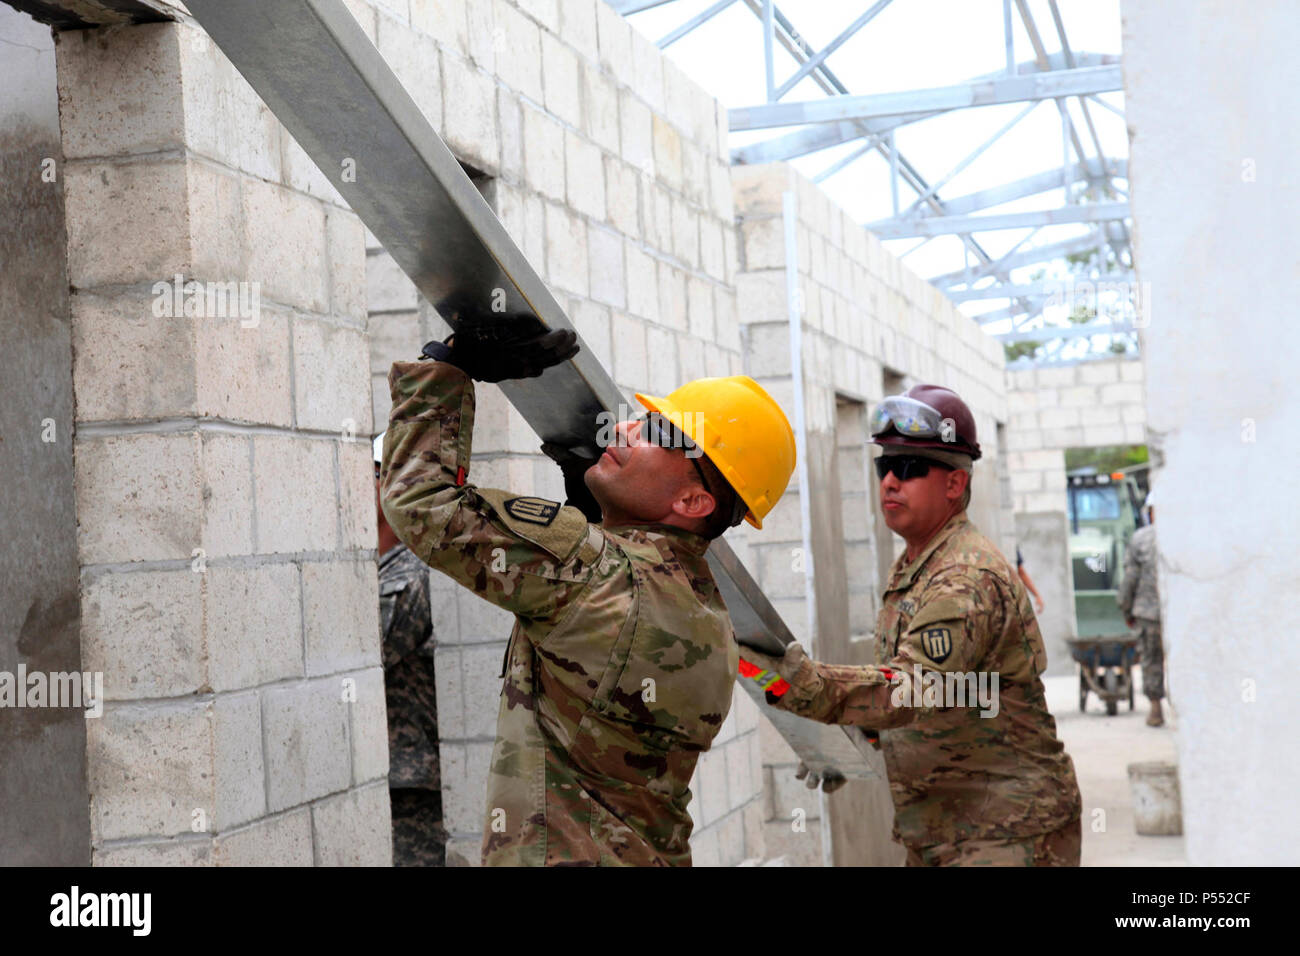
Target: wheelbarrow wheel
column 1112, row 691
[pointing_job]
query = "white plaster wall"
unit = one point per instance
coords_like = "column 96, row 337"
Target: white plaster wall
column 1212, row 91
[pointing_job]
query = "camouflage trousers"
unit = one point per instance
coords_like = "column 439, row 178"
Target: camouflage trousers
column 418, row 836
column 1153, row 658
column 1058, row 848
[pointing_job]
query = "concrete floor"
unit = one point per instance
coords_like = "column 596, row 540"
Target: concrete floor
column 1102, row 748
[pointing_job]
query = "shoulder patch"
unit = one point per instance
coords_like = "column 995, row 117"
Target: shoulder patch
column 557, row 530
column 533, row 510
column 937, row 643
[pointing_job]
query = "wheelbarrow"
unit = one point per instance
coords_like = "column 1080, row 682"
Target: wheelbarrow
column 1105, row 668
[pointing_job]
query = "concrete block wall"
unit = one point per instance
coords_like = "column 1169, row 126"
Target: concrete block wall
column 863, row 317
column 224, row 496
column 1086, row 405
column 609, row 169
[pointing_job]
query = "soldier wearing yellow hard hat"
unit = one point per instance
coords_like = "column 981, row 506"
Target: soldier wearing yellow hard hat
column 621, row 665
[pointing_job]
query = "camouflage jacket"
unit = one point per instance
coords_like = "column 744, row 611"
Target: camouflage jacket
column 409, row 686
column 622, row 661
column 958, row 609
column 1138, row 594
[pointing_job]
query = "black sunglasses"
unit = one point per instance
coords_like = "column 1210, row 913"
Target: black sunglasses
column 904, row 467
column 660, row 431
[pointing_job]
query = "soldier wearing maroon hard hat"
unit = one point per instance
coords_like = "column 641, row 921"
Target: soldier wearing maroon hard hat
column 976, row 771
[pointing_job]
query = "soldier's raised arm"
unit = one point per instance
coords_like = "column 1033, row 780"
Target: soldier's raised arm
column 521, row 553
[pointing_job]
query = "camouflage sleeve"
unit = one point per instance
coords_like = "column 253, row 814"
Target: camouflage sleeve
column 1128, row 586
column 527, row 555
column 408, row 623
column 950, row 631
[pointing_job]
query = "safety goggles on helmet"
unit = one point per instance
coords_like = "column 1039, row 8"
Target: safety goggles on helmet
column 911, row 419
column 904, row 467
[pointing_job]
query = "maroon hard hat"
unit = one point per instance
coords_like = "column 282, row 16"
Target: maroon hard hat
column 926, row 416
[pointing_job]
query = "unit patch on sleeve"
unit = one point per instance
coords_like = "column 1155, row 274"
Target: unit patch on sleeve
column 937, row 643
column 533, row 510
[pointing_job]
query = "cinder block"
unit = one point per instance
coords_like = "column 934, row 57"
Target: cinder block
column 647, row 71
column 706, row 849
column 544, row 153
column 1101, row 415
column 126, row 223
column 758, row 190
column 566, row 250
column 128, row 362
column 614, row 39
column 686, row 233
column 307, row 752
column 444, row 20
column 227, row 489
column 192, row 849
column 560, row 73
column 726, row 325
column 481, row 673
column 642, row 283
column 1058, row 417
column 464, row 769
column 479, row 34
column 388, row 288
column 740, row 788
column 662, row 348
column 295, row 494
column 1103, row 435
column 138, row 497
column 621, row 203
column 672, row 297
column 1131, row 371
column 699, row 308
column 369, row 727
column 120, row 91
column 331, row 377
column 451, row 689
column 399, row 9
column 764, row 244
column 761, row 296
column 512, row 137
column 695, row 177
column 299, row 171
column 242, row 368
column 340, row 602
column 471, row 123
column 517, row 44
column 731, row 839
column 238, row 779
column 584, row 172
column 630, row 359
column 767, row 349
column 545, row 12
column 667, row 152
column 1023, row 482
column 149, row 768
column 636, row 134
column 144, row 632
column 752, row 820
column 602, row 108
column 287, row 252
column 280, row 841
column 358, row 515
column 711, row 248
column 1079, row 396
column 523, row 215
column 1126, row 393
column 578, row 26
column 254, row 630
column 346, row 240
column 354, row 828
column 214, row 91
column 1099, row 373
column 592, row 322
column 605, row 254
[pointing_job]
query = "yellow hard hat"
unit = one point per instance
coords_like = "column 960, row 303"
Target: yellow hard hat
column 741, row 429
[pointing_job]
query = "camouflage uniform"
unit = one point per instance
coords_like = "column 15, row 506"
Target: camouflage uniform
column 621, row 664
column 415, row 786
column 1139, row 599
column 967, row 789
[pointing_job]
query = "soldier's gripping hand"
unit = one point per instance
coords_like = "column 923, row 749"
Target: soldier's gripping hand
column 795, row 667
column 573, row 465
column 494, row 347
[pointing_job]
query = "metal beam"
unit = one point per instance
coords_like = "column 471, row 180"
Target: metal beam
column 947, row 225
column 1048, row 287
column 1003, row 89
column 819, row 57
column 695, row 21
column 1066, row 247
column 1032, row 186
column 1051, row 333
column 314, row 67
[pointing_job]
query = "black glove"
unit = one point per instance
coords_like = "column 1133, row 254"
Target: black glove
column 830, row 780
column 574, row 465
column 495, row 346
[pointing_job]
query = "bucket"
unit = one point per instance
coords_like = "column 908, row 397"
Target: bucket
column 1157, row 809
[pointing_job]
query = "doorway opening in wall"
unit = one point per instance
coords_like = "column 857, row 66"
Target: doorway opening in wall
column 1106, row 488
